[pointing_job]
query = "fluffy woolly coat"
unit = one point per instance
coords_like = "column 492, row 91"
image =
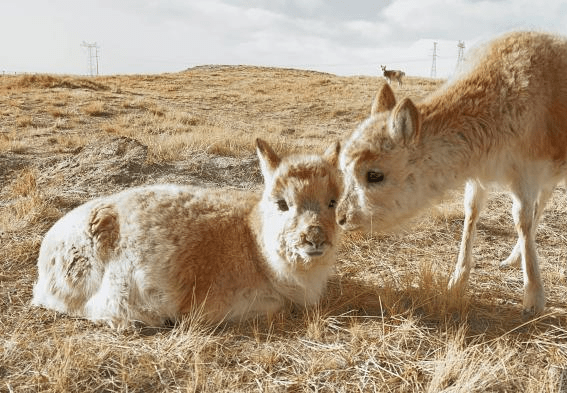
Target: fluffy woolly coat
column 502, row 120
column 154, row 253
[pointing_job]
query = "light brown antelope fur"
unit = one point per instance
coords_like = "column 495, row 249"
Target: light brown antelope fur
column 504, row 122
column 153, row 253
column 392, row 75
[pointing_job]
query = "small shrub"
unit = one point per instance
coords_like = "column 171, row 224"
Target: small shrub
column 24, row 121
column 95, row 108
column 25, row 184
column 57, row 112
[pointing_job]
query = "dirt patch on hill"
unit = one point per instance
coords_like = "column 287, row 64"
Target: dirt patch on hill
column 115, row 163
column 110, row 161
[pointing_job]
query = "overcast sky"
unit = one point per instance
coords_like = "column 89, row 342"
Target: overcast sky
column 344, row 37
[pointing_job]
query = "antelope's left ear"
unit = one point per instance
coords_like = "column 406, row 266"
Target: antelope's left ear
column 331, row 155
column 384, row 100
column 405, row 122
column 268, row 158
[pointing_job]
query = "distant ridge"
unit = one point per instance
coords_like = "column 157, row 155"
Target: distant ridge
column 244, row 67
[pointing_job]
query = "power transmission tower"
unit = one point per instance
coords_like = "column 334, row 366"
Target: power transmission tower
column 434, row 63
column 93, row 57
column 460, row 55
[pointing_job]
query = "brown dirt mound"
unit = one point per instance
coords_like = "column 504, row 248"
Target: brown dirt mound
column 99, row 168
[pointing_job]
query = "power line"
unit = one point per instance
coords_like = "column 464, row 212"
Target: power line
column 93, row 57
column 434, row 62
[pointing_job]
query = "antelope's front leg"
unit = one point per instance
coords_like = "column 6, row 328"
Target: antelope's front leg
column 475, row 197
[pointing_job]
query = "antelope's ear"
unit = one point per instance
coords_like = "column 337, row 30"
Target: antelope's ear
column 331, row 155
column 405, row 122
column 268, row 158
column 384, row 100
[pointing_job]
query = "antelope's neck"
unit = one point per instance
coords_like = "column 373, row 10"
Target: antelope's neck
column 458, row 137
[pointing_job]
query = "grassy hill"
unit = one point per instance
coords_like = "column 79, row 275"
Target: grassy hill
column 387, row 322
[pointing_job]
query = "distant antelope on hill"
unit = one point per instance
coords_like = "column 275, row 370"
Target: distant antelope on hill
column 152, row 253
column 503, row 121
column 391, row 75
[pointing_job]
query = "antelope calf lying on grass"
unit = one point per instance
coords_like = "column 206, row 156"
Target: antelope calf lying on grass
column 391, row 75
column 153, row 253
column 503, row 121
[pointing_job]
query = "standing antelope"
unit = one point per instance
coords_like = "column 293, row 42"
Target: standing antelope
column 153, row 253
column 393, row 75
column 503, row 121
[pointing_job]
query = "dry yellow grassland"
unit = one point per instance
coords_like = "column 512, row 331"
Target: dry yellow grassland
column 387, row 322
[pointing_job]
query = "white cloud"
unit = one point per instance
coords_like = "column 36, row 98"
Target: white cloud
column 368, row 30
column 150, row 36
column 462, row 19
column 308, row 5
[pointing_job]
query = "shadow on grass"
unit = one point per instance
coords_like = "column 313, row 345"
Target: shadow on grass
column 434, row 309
column 351, row 300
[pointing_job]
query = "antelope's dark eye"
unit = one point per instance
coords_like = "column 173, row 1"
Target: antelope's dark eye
column 282, row 205
column 374, row 177
column 332, row 204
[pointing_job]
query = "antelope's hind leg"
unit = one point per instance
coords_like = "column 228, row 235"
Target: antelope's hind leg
column 526, row 211
column 515, row 257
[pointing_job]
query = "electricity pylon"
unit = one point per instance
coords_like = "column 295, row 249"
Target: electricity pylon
column 93, row 57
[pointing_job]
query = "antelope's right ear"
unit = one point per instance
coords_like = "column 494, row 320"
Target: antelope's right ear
column 384, row 100
column 268, row 158
column 331, row 155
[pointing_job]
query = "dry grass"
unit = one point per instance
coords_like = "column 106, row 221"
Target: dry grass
column 387, row 322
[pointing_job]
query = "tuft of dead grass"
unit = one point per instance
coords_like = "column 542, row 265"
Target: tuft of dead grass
column 387, row 322
column 95, row 108
column 24, row 121
column 31, row 81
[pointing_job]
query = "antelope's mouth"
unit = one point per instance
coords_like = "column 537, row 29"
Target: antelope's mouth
column 311, row 252
column 353, row 220
column 315, row 253
column 350, row 222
